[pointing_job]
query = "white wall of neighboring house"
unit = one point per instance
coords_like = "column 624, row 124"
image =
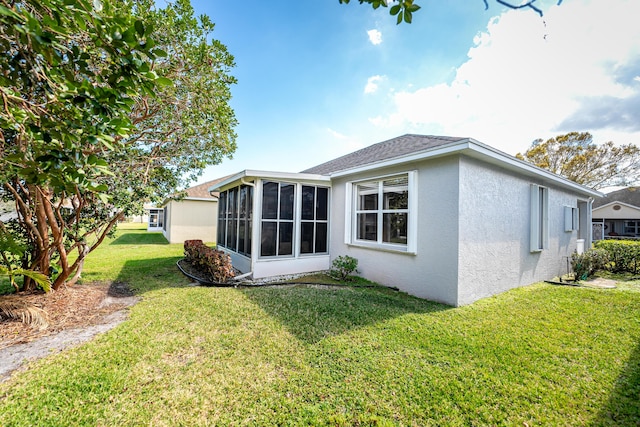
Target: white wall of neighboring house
column 188, row 219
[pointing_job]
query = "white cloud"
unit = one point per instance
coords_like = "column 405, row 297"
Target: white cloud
column 375, row 37
column 524, row 79
column 372, row 84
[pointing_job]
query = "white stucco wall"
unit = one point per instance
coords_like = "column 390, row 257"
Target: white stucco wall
column 494, row 232
column 625, row 212
column 431, row 273
column 191, row 219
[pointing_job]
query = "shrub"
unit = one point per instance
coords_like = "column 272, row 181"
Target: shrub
column 587, row 263
column 343, row 266
column 623, row 254
column 214, row 263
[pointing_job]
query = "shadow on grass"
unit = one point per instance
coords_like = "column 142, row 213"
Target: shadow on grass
column 623, row 407
column 314, row 313
column 143, row 275
column 138, row 237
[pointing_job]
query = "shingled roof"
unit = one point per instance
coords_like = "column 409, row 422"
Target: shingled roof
column 630, row 196
column 386, row 150
column 201, row 191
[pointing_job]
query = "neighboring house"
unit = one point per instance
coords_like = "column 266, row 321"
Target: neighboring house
column 192, row 217
column 447, row 219
column 617, row 214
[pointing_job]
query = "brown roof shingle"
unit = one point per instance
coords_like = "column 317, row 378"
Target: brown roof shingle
column 385, row 150
column 201, row 191
column 630, row 196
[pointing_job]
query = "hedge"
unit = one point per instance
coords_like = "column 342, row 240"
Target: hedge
column 215, row 263
column 624, row 255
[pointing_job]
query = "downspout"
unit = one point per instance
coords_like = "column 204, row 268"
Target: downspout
column 590, row 222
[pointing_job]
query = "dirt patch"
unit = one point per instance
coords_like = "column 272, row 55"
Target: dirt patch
column 600, row 283
column 74, row 315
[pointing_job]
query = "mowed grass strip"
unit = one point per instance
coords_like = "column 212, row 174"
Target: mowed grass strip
column 313, row 355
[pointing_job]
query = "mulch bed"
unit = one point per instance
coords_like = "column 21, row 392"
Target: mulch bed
column 69, row 307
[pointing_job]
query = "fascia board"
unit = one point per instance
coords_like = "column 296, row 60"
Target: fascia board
column 286, row 176
column 478, row 150
column 491, row 155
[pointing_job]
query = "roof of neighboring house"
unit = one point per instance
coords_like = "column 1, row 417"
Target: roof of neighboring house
column 385, row 150
column 628, row 196
column 200, row 191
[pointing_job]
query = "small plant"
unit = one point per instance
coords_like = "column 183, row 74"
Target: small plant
column 215, row 263
column 588, row 262
column 343, row 266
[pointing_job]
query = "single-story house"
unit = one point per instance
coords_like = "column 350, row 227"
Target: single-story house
column 617, row 214
column 443, row 218
column 191, row 217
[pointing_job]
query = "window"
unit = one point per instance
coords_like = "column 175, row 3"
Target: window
column 632, row 228
column 276, row 232
column 314, row 220
column 156, row 218
column 570, row 218
column 235, row 208
column 383, row 212
column 539, row 216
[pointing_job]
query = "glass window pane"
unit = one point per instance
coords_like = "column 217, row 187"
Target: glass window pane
column 308, row 196
column 270, row 200
column 306, row 238
column 268, row 238
column 322, row 203
column 321, row 237
column 368, row 226
column 232, row 234
column 286, row 201
column 368, row 196
column 241, row 235
column 394, row 228
column 396, row 193
column 248, row 245
column 285, row 238
column 242, row 202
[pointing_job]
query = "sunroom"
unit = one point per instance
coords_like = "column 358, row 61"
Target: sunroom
column 274, row 224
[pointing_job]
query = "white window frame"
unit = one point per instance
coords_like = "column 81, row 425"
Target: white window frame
column 351, row 213
column 539, row 218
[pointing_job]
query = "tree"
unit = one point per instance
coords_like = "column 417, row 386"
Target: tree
column 92, row 125
column 404, row 9
column 576, row 157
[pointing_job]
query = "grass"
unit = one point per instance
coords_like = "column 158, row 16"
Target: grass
column 304, row 355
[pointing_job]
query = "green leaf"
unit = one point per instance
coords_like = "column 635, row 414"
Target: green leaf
column 399, row 20
column 395, row 9
column 407, row 17
column 139, row 28
column 163, row 81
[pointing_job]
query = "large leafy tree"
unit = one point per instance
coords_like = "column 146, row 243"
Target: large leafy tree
column 576, row 157
column 92, row 125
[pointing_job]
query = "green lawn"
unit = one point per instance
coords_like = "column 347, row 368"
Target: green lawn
column 540, row 355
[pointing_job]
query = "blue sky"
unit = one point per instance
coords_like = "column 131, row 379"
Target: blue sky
column 317, row 79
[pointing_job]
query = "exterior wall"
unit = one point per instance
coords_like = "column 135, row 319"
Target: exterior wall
column 277, row 267
column 432, row 271
column 494, row 232
column 191, row 219
column 607, row 212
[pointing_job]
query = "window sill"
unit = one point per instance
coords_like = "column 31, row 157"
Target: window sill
column 383, row 248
